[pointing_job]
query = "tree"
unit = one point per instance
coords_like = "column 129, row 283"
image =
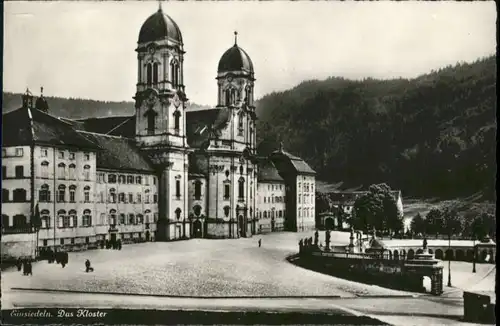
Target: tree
column 452, row 224
column 377, row 209
column 418, row 224
column 434, row 222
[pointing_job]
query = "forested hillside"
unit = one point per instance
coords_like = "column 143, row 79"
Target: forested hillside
column 74, row 108
column 434, row 135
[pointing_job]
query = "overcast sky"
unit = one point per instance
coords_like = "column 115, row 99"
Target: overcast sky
column 86, row 49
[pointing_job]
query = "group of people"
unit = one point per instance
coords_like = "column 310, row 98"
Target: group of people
column 114, row 244
column 25, row 265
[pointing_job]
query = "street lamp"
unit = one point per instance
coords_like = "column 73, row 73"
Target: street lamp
column 474, row 254
column 449, row 259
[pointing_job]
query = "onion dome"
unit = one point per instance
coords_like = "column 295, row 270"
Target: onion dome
column 235, row 59
column 159, row 26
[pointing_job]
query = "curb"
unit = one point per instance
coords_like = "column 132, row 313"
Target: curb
column 183, row 296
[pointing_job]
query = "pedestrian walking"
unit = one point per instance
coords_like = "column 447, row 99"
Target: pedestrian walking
column 19, row 264
column 260, row 242
column 88, row 268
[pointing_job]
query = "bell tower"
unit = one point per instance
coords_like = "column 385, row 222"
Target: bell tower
column 160, row 130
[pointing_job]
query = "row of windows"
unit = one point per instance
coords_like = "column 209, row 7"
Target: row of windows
column 272, row 214
column 308, row 187
column 61, row 171
column 127, row 198
column 123, row 179
column 274, row 199
column 306, row 199
column 44, row 194
column 232, row 95
column 241, row 190
column 152, row 115
column 44, row 152
column 153, row 70
column 19, row 171
column 19, row 152
column 271, row 187
column 18, row 196
column 306, row 212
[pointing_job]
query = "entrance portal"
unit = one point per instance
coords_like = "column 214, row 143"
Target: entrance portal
column 197, row 229
column 147, row 235
column 329, row 224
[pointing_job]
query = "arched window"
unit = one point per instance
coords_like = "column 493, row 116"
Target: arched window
column 112, row 195
column 178, row 189
column 241, row 188
column 174, row 73
column 233, row 96
column 228, row 97
column 178, row 213
column 151, row 121
column 87, row 218
column 147, row 212
column 62, row 220
column 19, row 195
column 197, row 190
column 72, row 191
column 177, row 120
column 86, row 194
column 5, row 195
column 112, row 217
column 5, row 221
column 112, row 178
column 73, row 221
column 61, row 171
column 197, row 210
column 45, row 219
column 240, row 122
column 265, row 214
column 123, row 220
column 19, row 221
column 248, row 93
column 72, row 171
column 86, row 173
column 155, row 73
column 149, row 74
column 45, row 169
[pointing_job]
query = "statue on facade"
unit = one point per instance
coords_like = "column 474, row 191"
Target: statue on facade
column 425, row 244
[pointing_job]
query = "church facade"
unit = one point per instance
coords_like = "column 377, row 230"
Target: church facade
column 164, row 173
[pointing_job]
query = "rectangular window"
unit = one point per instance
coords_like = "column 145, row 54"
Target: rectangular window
column 71, row 156
column 155, row 198
column 122, row 218
column 139, row 198
column 226, row 191
column 71, row 196
column 146, row 181
column 45, row 243
column 4, row 172
column 112, row 178
column 19, row 171
column 44, row 152
column 130, row 179
column 61, row 154
column 121, row 197
column 86, row 196
column 61, row 241
column 86, row 156
column 19, row 152
column 138, row 180
column 130, row 198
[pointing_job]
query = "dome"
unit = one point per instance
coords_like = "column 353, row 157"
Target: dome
column 159, row 26
column 235, row 59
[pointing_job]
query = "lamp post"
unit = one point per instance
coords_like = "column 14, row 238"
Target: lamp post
column 474, row 254
column 449, row 259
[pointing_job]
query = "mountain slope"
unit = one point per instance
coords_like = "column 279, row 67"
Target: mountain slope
column 430, row 136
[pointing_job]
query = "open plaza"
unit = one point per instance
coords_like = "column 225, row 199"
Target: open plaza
column 176, row 274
